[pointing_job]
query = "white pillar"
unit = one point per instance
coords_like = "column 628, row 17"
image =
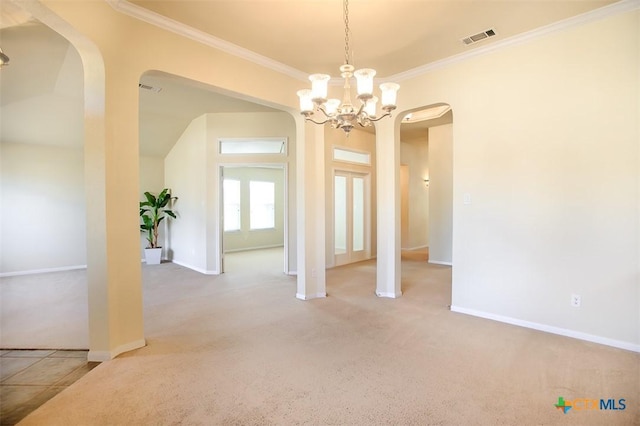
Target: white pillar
column 310, row 198
column 388, row 194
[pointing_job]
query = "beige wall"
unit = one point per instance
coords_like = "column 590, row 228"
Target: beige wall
column 441, row 194
column 186, row 175
column 42, row 220
column 545, row 142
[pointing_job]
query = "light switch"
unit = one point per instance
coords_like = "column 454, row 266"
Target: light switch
column 466, row 198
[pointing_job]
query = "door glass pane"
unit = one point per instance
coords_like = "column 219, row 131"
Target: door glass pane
column 358, row 214
column 231, row 196
column 340, row 221
column 262, row 200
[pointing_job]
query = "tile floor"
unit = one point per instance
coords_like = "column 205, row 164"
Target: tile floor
column 29, row 378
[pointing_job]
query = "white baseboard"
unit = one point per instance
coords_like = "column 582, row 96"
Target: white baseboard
column 440, row 262
column 550, row 329
column 310, row 296
column 42, row 271
column 101, row 356
column 194, row 268
column 414, row 248
column 389, row 295
column 292, row 273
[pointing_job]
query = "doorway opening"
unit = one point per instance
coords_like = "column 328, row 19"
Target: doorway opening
column 352, row 217
column 426, row 190
column 253, row 217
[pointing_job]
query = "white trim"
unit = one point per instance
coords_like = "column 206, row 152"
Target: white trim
column 440, row 262
column 282, row 163
column 204, row 38
column 310, row 296
column 594, row 15
column 349, row 171
column 292, row 273
column 101, row 356
column 283, row 139
column 98, row 356
column 550, row 329
column 389, row 295
column 414, row 248
column 194, row 268
column 351, row 150
column 42, row 271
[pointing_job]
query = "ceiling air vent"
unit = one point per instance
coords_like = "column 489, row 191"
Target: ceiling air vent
column 480, row 36
column 147, row 87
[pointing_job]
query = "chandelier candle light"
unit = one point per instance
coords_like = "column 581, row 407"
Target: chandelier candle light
column 4, row 59
column 345, row 115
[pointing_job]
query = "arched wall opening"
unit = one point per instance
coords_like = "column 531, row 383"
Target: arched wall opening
column 182, row 126
column 426, row 181
column 43, row 211
column 86, row 125
column 426, row 191
column 388, row 145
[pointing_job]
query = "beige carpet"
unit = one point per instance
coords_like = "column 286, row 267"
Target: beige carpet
column 240, row 349
column 44, row 311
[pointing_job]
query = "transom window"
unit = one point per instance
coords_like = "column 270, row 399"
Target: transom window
column 246, row 146
column 349, row 156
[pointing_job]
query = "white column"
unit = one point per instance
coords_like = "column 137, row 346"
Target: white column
column 388, row 194
column 310, row 197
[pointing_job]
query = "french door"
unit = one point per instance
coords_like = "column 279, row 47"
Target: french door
column 351, row 217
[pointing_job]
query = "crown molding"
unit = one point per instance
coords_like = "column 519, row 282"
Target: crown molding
column 594, row 15
column 168, row 24
column 179, row 28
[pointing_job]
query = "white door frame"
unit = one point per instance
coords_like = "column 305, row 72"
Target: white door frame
column 220, row 240
column 350, row 257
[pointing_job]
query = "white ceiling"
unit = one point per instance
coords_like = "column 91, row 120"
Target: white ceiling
column 41, row 90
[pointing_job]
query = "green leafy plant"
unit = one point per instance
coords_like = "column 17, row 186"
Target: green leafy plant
column 152, row 212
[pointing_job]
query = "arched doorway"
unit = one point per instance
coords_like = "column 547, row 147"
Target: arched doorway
column 426, row 190
column 79, row 83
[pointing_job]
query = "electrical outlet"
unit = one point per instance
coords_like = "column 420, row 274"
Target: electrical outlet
column 575, row 300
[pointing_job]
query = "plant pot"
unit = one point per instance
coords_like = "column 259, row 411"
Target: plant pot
column 153, row 255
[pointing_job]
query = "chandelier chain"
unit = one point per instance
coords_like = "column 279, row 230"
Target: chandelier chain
column 346, row 31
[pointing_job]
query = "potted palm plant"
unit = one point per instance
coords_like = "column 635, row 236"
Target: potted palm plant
column 152, row 212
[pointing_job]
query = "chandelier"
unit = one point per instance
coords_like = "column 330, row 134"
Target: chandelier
column 344, row 115
column 4, row 59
